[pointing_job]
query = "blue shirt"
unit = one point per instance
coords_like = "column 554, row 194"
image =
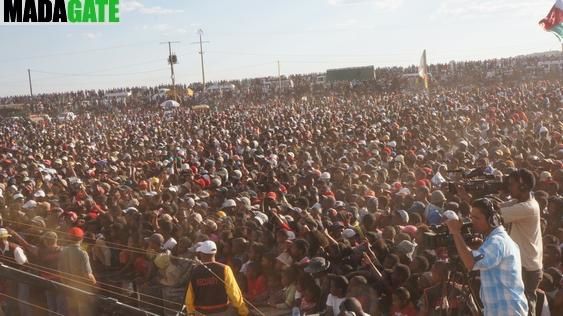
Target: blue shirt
column 502, row 289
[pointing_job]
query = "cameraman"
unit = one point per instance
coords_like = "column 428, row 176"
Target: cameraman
column 523, row 215
column 497, row 259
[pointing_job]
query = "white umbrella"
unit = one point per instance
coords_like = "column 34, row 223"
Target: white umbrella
column 169, row 104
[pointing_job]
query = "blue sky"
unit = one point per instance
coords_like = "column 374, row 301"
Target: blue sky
column 247, row 37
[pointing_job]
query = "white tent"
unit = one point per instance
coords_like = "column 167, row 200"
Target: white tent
column 169, row 104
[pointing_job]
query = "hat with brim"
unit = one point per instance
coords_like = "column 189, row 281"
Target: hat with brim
column 203, row 195
column 4, row 233
column 316, row 265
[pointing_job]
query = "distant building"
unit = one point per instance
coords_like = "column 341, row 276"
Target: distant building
column 351, row 74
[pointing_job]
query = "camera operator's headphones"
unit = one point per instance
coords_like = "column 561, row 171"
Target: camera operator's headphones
column 493, row 216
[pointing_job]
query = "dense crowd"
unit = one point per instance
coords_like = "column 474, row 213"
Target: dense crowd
column 453, row 74
column 319, row 204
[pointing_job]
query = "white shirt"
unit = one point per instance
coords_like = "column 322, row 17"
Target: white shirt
column 525, row 230
column 170, row 244
column 19, row 255
column 334, row 303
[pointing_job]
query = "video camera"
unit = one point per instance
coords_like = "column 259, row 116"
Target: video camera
column 477, row 183
column 439, row 236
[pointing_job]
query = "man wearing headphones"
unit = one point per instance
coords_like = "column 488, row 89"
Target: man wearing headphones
column 497, row 259
column 523, row 215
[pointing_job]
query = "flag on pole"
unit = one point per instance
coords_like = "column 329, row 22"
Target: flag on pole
column 423, row 69
column 553, row 22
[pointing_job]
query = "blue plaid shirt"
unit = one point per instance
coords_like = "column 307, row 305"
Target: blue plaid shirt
column 502, row 289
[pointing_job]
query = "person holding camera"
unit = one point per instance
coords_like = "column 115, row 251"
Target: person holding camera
column 497, row 259
column 523, row 215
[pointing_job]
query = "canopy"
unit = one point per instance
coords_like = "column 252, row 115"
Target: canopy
column 169, row 104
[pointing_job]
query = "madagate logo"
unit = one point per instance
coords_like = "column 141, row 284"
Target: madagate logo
column 60, row 11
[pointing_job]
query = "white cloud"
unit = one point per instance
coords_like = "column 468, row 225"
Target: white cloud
column 92, row 36
column 137, row 6
column 382, row 4
column 347, row 24
column 165, row 29
column 479, row 8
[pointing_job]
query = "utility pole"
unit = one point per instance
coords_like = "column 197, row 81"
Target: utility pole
column 279, row 77
column 201, row 42
column 30, row 86
column 172, row 59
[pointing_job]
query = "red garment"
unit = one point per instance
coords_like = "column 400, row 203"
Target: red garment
column 408, row 310
column 256, row 287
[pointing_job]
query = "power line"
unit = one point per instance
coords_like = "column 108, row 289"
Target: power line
column 84, row 51
column 97, row 75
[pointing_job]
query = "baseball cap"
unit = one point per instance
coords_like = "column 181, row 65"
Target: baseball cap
column 348, row 233
column 76, row 232
column 156, row 238
column 404, row 215
column 39, row 194
column 229, row 203
column 207, row 247
column 449, row 214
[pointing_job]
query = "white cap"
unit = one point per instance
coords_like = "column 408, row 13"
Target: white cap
column 30, row 204
column 450, row 215
column 39, row 194
column 229, row 203
column 290, row 235
column 261, row 217
column 325, row 176
column 237, row 174
column 404, row 192
column 198, row 218
column 207, row 247
column 348, row 233
column 190, row 202
column 545, row 175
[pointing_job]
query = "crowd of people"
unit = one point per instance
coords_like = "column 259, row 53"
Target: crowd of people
column 311, row 205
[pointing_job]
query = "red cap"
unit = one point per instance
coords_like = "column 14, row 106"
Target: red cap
column 200, row 182
column 76, row 232
column 272, row 195
column 328, row 193
column 420, row 183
